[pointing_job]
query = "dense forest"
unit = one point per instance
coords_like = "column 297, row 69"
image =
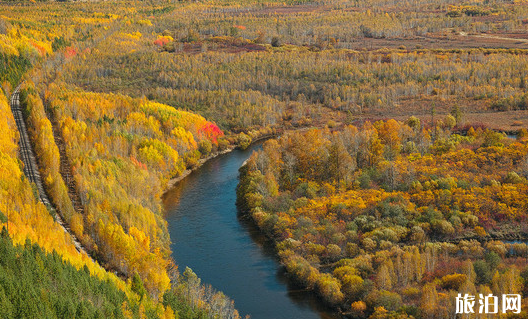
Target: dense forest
column 231, row 66
column 24, row 221
column 34, row 282
column 122, row 153
column 128, row 272
column 394, row 217
column 249, row 66
column 382, row 214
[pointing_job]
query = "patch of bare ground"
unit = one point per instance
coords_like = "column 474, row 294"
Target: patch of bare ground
column 444, row 40
column 504, row 121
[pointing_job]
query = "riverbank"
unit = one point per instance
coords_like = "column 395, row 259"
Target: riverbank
column 173, row 181
column 299, row 270
column 226, row 251
column 200, row 162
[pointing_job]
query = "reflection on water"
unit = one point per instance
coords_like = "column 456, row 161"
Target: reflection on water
column 226, row 250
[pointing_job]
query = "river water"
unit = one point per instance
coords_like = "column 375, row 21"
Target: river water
column 226, row 250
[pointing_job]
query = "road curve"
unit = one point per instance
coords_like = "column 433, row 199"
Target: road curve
column 31, row 168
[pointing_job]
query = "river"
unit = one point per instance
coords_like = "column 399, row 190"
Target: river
column 226, row 250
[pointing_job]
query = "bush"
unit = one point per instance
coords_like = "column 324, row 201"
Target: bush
column 453, row 281
column 244, row 141
column 386, row 299
column 330, row 289
column 275, row 42
column 205, row 147
column 483, row 271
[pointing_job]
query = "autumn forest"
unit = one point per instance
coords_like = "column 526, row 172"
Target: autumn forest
column 391, row 165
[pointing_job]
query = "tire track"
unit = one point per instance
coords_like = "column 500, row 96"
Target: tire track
column 31, row 168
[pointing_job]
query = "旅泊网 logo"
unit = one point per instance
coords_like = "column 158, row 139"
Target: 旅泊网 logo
column 489, row 304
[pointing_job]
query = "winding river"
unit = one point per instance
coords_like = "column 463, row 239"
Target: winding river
column 226, row 250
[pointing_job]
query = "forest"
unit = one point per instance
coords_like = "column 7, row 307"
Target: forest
column 404, row 217
column 251, row 66
column 49, row 254
column 390, row 190
column 260, row 66
column 122, row 155
column 27, row 272
column 25, row 221
column 127, row 272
